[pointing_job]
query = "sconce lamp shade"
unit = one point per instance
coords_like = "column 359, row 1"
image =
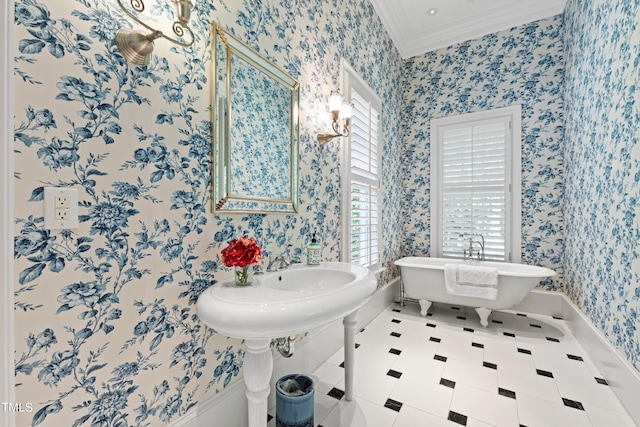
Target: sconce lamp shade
column 335, row 101
column 340, row 118
column 136, row 46
column 345, row 110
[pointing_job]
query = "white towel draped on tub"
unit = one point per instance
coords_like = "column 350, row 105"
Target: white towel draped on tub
column 471, row 281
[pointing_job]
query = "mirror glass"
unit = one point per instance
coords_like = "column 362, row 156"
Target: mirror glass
column 255, row 135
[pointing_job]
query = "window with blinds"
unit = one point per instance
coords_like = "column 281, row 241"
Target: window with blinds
column 362, row 208
column 472, row 183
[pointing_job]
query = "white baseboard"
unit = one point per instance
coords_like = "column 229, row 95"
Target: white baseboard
column 229, row 407
column 623, row 378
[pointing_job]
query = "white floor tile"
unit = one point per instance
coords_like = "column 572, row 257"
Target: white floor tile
column 372, row 386
column 412, row 344
column 461, row 349
column 534, row 412
column 374, row 357
column 327, row 376
column 411, row 417
column 484, row 406
column 564, row 366
column 380, row 338
column 529, row 383
column 589, row 393
column 322, row 407
column 503, row 351
column 359, row 413
column 474, row 375
column 427, row 396
column 604, row 418
column 419, row 366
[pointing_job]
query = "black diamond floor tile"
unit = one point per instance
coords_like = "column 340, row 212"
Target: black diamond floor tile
column 394, row 374
column 507, row 393
column 393, row 404
column 572, row 404
column 440, row 358
column 457, row 418
column 544, row 373
column 336, row 393
column 447, row 383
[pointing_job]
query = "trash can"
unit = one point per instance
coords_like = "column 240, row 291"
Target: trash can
column 294, row 401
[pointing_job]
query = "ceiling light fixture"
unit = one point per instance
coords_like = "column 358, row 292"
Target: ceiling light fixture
column 432, row 11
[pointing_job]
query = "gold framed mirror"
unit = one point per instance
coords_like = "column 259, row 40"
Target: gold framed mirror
column 255, row 107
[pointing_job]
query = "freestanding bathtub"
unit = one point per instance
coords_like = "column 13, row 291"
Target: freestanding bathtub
column 423, row 280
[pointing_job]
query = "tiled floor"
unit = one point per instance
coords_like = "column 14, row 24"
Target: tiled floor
column 447, row 370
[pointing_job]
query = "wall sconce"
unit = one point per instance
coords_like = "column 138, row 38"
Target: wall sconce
column 340, row 110
column 136, row 46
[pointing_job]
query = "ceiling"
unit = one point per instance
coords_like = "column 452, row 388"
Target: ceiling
column 414, row 31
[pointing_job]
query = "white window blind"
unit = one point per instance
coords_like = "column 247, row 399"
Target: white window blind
column 365, row 245
column 362, row 204
column 472, row 173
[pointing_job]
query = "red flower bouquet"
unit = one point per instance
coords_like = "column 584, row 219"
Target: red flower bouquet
column 242, row 253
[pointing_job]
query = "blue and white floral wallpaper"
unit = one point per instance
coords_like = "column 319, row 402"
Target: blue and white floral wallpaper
column 106, row 332
column 602, row 167
column 106, row 329
column 523, row 65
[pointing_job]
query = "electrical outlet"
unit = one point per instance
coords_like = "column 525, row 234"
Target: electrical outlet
column 60, row 208
column 61, row 214
column 61, row 201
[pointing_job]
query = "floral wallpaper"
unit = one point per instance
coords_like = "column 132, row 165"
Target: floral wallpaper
column 602, row 157
column 260, row 112
column 106, row 329
column 523, row 65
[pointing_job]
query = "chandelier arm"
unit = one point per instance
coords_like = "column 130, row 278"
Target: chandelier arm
column 178, row 27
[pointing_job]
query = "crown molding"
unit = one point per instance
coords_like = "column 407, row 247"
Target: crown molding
column 447, row 33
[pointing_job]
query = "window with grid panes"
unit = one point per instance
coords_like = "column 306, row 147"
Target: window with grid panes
column 475, row 186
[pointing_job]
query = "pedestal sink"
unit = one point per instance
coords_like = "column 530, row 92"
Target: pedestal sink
column 283, row 303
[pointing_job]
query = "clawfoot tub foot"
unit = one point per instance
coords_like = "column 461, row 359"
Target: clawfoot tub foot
column 424, row 306
column 484, row 316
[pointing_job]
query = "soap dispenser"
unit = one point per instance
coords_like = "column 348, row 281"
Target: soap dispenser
column 314, row 252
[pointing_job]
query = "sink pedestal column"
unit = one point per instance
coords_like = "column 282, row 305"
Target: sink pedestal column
column 349, row 323
column 258, row 367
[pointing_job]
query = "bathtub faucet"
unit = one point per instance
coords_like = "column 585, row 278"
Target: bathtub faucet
column 475, row 239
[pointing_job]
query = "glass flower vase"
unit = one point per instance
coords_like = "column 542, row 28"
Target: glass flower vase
column 244, row 275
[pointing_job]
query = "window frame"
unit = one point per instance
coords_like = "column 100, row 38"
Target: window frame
column 513, row 239
column 351, row 80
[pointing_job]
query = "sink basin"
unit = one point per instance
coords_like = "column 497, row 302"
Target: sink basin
column 282, row 304
column 286, row 302
column 308, row 281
